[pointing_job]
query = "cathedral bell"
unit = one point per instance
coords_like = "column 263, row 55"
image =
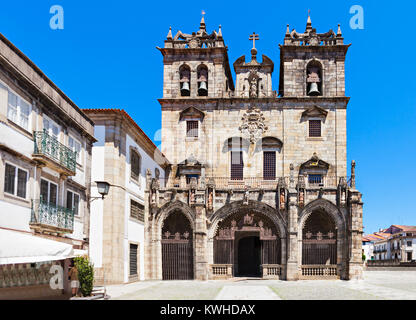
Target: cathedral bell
column 314, row 89
column 185, row 89
column 203, row 90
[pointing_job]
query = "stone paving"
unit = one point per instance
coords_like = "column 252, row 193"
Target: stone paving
column 377, row 285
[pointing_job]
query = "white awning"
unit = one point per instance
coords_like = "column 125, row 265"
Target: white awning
column 18, row 247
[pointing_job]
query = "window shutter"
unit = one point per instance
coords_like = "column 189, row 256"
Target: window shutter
column 133, row 259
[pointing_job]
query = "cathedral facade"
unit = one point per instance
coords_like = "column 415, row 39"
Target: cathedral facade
column 258, row 183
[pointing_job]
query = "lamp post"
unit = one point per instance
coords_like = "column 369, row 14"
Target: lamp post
column 103, row 189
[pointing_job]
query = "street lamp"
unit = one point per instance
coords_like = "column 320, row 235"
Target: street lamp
column 103, row 188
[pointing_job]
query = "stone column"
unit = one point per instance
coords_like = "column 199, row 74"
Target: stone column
column 292, row 272
column 200, row 242
column 355, row 268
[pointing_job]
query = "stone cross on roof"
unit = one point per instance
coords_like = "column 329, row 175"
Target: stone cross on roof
column 253, row 37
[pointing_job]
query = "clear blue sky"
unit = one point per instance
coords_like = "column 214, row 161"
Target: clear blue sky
column 106, row 57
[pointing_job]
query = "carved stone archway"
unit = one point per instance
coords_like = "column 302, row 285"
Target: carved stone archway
column 235, row 221
column 323, row 205
column 159, row 240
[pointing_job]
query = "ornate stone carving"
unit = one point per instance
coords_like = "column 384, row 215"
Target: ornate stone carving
column 253, row 125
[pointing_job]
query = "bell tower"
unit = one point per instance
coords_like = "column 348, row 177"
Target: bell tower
column 312, row 64
column 196, row 65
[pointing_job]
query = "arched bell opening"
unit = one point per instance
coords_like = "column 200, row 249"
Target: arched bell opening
column 202, row 74
column 185, row 80
column 314, row 79
column 177, row 247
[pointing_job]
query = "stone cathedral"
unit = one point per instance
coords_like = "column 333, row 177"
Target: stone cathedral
column 257, row 185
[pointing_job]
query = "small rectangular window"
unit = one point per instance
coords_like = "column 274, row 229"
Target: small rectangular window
column 15, row 181
column 137, row 210
column 49, row 192
column 9, row 181
column 237, row 165
column 192, row 129
column 135, row 162
column 409, row 243
column 190, row 176
column 133, row 259
column 315, row 179
column 18, row 110
column 75, row 146
column 72, row 202
column 314, row 128
column 269, row 165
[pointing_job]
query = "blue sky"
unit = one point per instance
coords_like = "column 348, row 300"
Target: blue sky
column 106, row 57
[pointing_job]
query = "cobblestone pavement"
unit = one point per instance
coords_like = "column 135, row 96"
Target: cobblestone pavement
column 375, row 286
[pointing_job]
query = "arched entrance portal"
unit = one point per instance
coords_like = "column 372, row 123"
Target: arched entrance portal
column 249, row 242
column 319, row 245
column 177, row 253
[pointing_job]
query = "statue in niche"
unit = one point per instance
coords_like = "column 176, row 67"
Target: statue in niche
column 282, row 200
column 253, row 88
column 210, row 200
column 192, row 197
column 248, row 219
column 301, row 198
column 246, row 196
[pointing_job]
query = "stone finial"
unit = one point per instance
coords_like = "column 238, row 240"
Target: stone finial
column 169, row 37
column 219, row 35
column 202, row 25
column 287, row 31
column 339, row 33
column 309, row 23
column 353, row 174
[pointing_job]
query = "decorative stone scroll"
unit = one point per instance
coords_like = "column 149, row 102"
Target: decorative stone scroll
column 253, row 124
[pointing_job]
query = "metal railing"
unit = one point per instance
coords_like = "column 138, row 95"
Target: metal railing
column 48, row 146
column 51, row 215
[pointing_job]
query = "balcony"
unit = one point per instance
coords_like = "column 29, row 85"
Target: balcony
column 50, row 152
column 52, row 218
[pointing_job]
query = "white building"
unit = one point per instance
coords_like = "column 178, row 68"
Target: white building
column 399, row 245
column 45, row 169
column 124, row 157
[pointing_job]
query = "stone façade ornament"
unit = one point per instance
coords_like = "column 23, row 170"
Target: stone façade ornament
column 253, row 125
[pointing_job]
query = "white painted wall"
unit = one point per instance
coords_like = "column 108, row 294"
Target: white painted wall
column 14, row 216
column 16, row 140
column 96, row 206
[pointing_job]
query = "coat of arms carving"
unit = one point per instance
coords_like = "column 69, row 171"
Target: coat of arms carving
column 253, row 125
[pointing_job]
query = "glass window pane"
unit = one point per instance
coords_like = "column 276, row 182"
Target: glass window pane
column 71, row 143
column 76, row 204
column 53, row 193
column 45, row 124
column 21, row 183
column 12, row 107
column 69, row 200
column 9, row 179
column 44, row 185
column 55, row 131
column 12, row 100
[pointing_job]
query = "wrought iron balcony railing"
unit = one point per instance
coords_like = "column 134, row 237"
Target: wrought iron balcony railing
column 49, row 215
column 50, row 147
